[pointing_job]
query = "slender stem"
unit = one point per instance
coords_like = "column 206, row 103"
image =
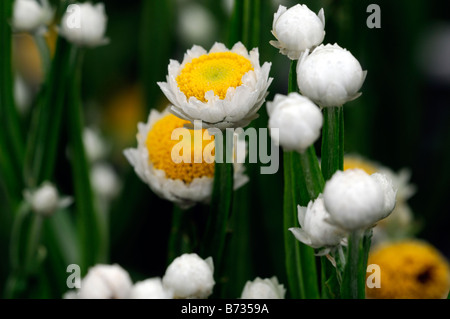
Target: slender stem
column 354, row 274
column 176, row 234
column 332, row 141
column 221, row 200
column 93, row 239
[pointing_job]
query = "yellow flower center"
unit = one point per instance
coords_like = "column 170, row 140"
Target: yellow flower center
column 354, row 162
column 215, row 71
column 160, row 144
column 410, row 270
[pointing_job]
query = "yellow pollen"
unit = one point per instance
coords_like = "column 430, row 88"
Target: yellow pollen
column 214, row 71
column 354, row 162
column 160, row 145
column 410, row 269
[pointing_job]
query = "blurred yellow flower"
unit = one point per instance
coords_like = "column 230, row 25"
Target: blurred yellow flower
column 410, row 269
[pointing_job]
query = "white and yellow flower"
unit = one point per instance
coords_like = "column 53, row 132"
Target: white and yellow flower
column 222, row 87
column 183, row 183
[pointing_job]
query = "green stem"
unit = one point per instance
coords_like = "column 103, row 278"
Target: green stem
column 332, row 141
column 12, row 142
column 177, row 241
column 92, row 236
column 302, row 182
column 353, row 285
column 221, row 200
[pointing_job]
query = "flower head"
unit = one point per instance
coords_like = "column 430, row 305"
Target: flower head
column 297, row 29
column 149, row 289
column 223, row 88
column 329, row 75
column 399, row 224
column 315, row 230
column 31, row 16
column 298, row 119
column 105, row 282
column 356, row 200
column 189, row 276
column 410, row 269
column 84, row 24
column 46, row 200
column 263, row 289
column 181, row 182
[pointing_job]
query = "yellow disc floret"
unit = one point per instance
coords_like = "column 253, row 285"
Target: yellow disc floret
column 214, row 71
column 410, row 270
column 351, row 162
column 160, row 144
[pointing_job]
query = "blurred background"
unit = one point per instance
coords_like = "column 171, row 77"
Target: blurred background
column 402, row 120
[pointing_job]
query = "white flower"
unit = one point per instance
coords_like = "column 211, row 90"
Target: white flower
column 204, row 28
column 150, row 289
column 31, row 16
column 297, row 29
column 84, row 24
column 46, row 200
column 263, row 289
column 316, row 231
column 104, row 180
column 190, row 277
column 298, row 119
column 185, row 184
column 95, row 146
column 356, row 200
column 105, row 282
column 330, row 75
column 223, row 88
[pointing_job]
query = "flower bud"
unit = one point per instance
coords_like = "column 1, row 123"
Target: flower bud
column 356, row 200
column 46, row 200
column 84, row 24
column 149, row 289
column 297, row 29
column 31, row 16
column 315, row 230
column 189, row 276
column 105, row 282
column 263, row 289
column 298, row 119
column 330, row 75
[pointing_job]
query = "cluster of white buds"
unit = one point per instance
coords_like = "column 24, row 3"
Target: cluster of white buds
column 187, row 277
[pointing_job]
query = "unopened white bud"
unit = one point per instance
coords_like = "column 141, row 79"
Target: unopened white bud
column 190, row 277
column 105, row 282
column 263, row 289
column 31, row 16
column 330, row 75
column 297, row 29
column 150, row 289
column 298, row 120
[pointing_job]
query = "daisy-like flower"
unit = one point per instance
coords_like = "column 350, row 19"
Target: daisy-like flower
column 223, row 88
column 410, row 269
column 263, row 289
column 297, row 29
column 84, row 24
column 330, row 75
column 31, row 16
column 45, row 200
column 190, row 277
column 356, row 200
column 182, row 183
column 316, row 231
column 298, row 120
